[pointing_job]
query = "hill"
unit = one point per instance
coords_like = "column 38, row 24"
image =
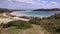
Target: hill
column 52, row 24
column 53, row 9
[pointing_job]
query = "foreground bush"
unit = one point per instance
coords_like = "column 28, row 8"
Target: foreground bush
column 19, row 23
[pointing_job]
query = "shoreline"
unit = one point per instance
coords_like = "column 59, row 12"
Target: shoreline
column 21, row 15
column 14, row 17
column 10, row 18
column 27, row 14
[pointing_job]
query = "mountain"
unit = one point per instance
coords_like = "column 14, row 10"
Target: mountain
column 53, row 9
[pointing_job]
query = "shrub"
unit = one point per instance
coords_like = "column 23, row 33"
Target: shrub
column 2, row 25
column 19, row 23
column 34, row 21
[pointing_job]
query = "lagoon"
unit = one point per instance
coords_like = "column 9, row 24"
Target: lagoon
column 35, row 13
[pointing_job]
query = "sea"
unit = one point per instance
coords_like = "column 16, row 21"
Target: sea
column 35, row 13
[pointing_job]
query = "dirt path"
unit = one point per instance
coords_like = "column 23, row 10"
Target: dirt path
column 35, row 30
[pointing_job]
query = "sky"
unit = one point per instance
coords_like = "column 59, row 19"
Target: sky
column 29, row 4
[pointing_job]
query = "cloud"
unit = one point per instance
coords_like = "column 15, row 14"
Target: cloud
column 6, row 0
column 24, row 1
column 38, row 0
column 30, row 3
column 54, row 3
column 44, row 1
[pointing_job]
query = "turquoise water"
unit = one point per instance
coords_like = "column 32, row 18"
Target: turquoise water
column 36, row 13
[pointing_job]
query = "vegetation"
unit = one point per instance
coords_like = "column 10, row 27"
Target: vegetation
column 36, row 29
column 19, row 24
column 52, row 24
column 2, row 16
column 5, row 10
column 35, row 21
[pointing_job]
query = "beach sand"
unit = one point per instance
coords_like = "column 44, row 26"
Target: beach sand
column 4, row 20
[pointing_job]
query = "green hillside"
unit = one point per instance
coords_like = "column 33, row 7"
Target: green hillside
column 52, row 24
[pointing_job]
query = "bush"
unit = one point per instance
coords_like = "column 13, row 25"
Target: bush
column 34, row 21
column 2, row 25
column 19, row 23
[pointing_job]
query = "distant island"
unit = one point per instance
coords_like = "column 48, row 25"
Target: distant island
column 53, row 9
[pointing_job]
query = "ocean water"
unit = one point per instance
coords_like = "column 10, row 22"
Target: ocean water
column 35, row 13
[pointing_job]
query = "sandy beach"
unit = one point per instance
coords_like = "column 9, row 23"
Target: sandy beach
column 8, row 19
column 5, row 20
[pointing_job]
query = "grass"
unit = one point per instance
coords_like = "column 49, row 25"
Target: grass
column 1, row 16
column 36, row 29
column 12, row 30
